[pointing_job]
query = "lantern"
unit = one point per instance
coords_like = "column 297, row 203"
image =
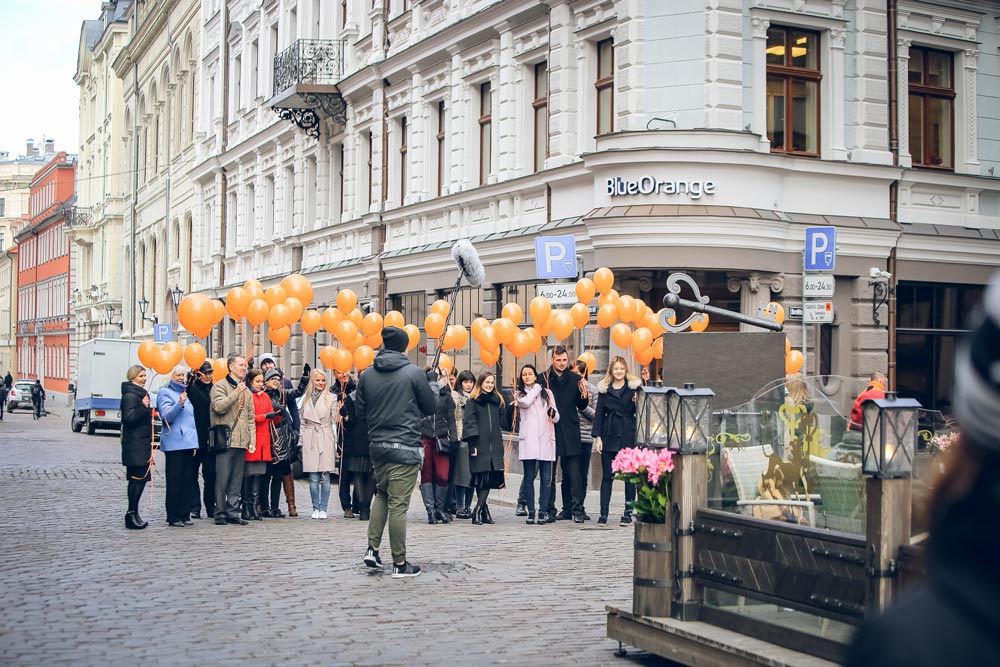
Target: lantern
column 888, row 436
column 689, row 414
column 651, row 416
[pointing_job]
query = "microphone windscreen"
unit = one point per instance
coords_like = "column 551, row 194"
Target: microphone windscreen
column 468, row 261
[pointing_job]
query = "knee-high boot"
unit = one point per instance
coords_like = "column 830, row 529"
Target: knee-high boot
column 255, row 496
column 245, row 500
column 288, row 482
column 275, row 495
column 440, row 495
column 264, row 498
column 427, row 495
column 484, row 510
column 132, row 518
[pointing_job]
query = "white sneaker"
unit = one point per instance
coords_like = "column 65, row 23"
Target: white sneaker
column 322, row 515
column 315, row 514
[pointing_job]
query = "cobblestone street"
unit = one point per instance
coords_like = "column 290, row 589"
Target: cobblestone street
column 79, row 589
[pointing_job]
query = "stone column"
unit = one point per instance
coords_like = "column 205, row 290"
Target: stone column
column 457, row 176
column 755, row 291
column 903, row 101
column 421, row 137
column 965, row 123
column 760, row 26
column 724, row 65
column 563, row 101
column 838, row 149
column 508, row 124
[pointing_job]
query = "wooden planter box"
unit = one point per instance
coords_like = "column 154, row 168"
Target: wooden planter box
column 652, row 578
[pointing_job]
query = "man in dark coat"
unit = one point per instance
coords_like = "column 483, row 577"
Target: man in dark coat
column 198, row 391
column 8, row 381
column 571, row 395
column 342, row 385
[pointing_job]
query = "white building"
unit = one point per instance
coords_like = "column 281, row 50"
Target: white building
column 501, row 121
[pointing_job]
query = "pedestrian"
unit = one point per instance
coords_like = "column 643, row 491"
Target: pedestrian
column 356, row 457
column 459, row 472
column 3, row 398
column 8, row 381
column 179, row 444
column 350, row 503
column 571, row 395
column 874, row 389
column 481, row 428
column 37, row 399
column 258, row 454
column 199, row 389
column 284, row 440
column 319, row 441
column 392, row 397
column 439, row 436
column 536, row 439
column 137, row 441
column 952, row 617
column 614, row 430
column 232, row 422
column 586, row 425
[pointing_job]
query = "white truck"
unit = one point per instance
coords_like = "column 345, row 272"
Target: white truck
column 97, row 400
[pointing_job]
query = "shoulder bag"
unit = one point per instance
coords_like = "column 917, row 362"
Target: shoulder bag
column 443, row 445
column 220, row 435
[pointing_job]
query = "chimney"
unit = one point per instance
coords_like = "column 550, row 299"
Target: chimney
column 50, row 146
column 30, row 149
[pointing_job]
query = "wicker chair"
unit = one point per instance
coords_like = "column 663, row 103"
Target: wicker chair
column 842, row 489
column 748, row 464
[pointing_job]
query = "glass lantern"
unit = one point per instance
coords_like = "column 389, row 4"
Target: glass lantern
column 888, row 436
column 651, row 416
column 689, row 413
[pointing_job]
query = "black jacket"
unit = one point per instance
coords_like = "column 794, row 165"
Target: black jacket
column 566, row 390
column 481, row 428
column 137, row 426
column 614, row 417
column 392, row 396
column 442, row 423
column 199, row 394
column 353, row 429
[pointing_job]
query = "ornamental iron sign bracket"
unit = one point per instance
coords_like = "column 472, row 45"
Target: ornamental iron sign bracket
column 699, row 305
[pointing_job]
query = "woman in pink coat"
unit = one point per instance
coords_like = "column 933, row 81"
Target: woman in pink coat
column 537, row 415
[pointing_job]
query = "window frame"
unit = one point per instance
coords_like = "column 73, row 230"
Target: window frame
column 925, row 92
column 540, row 103
column 403, row 150
column 485, row 131
column 791, row 73
column 440, row 137
column 601, row 84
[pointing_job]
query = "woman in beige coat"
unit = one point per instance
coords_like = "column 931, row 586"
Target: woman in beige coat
column 319, row 441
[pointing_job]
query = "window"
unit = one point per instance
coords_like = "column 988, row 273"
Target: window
column 251, row 214
column 485, row 132
column 254, row 68
column 932, row 108
column 272, row 45
column 440, row 147
column 369, row 184
column 540, row 105
column 288, row 206
column 402, row 160
column 311, row 185
column 268, row 232
column 340, row 183
column 3, row 207
column 793, row 76
column 605, row 86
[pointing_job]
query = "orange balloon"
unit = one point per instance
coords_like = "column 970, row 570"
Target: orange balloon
column 488, row 339
column 342, row 360
column 237, row 300
column 607, row 315
column 253, row 283
column 589, row 359
column 626, row 308
column 534, row 340
column 621, row 334
column 641, row 340
column 295, row 309
column 345, row 331
column 347, row 301
column 446, row 362
column 442, row 308
column 414, row 333
column 793, row 362
column 657, row 348
column 545, row 328
column 520, row 344
column 196, row 312
column 357, row 317
column 298, row 286
column 640, row 310
column 220, row 370
column 311, row 322
column 147, row 353
column 326, row 356
column 257, row 312
column 604, row 279
column 778, row 310
column 645, row 356
column 194, row 355
column 330, row 318
column 585, row 290
column 489, row 357
column 374, row 341
column 562, row 327
column 275, row 295
column 434, row 325
column 539, row 308
column 699, row 323
column 477, row 326
column 608, row 297
column 393, row 318
column 513, row 312
column 359, row 340
column 462, row 337
column 164, row 362
column 176, row 352
column 580, row 312
column 449, row 338
column 220, row 312
column 504, row 330
column 279, row 316
column 371, row 324
column 788, row 345
column 363, row 357
column 280, row 335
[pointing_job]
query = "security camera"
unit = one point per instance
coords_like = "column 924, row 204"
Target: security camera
column 876, row 273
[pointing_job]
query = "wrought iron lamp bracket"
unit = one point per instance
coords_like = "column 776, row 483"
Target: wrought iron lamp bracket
column 881, row 291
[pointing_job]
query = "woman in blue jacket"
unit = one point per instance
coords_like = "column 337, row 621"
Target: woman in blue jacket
column 179, row 444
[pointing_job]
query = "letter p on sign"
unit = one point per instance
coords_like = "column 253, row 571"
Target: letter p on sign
column 555, row 257
column 821, row 249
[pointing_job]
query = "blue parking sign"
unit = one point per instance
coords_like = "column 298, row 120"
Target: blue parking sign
column 555, row 257
column 163, row 333
column 821, row 249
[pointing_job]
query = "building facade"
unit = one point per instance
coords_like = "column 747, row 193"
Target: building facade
column 698, row 136
column 44, row 326
column 95, row 226
column 8, row 311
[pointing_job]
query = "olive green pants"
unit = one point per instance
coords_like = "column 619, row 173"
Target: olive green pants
column 394, row 484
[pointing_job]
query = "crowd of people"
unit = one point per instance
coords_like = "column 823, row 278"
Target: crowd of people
column 390, row 426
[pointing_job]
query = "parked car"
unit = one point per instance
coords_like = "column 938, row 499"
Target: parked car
column 20, row 395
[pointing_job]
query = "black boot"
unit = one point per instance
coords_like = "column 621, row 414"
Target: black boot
column 477, row 512
column 427, row 495
column 275, row 493
column 264, row 497
column 245, row 500
column 487, row 517
column 135, row 489
column 255, row 497
column 132, row 521
column 439, row 495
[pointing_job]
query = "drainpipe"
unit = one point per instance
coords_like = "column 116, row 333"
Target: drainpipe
column 892, row 18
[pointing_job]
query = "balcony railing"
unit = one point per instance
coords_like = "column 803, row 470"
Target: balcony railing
column 309, row 61
column 79, row 216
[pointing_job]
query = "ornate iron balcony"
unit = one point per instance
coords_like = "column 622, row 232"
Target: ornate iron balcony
column 311, row 61
column 79, row 216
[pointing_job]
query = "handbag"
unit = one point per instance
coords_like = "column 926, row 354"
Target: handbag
column 220, row 435
column 443, row 445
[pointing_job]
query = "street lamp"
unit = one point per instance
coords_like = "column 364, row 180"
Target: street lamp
column 111, row 313
column 176, row 294
column 651, row 416
column 689, row 414
column 143, row 307
column 888, row 436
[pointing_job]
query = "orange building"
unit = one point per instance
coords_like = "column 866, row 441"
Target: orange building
column 43, row 282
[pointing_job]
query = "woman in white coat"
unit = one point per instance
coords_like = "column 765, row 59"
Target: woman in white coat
column 537, row 416
column 318, row 440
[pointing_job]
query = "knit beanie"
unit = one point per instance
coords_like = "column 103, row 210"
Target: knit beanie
column 272, row 373
column 977, row 376
column 394, row 338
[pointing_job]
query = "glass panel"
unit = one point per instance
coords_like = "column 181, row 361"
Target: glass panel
column 805, row 116
column 916, row 120
column 605, row 59
column 776, row 112
column 871, row 439
column 604, row 111
column 775, row 46
column 901, row 438
column 485, row 100
column 939, row 140
column 541, row 81
column 939, row 69
column 805, row 50
column 541, row 137
column 916, row 68
column 486, row 151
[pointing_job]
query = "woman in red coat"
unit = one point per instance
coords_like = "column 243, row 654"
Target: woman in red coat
column 258, row 453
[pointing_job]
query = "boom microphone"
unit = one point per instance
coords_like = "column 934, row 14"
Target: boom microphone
column 468, row 262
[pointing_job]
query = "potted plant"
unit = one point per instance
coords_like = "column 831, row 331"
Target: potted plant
column 652, row 581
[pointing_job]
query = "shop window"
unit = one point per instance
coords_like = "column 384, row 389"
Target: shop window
column 793, row 99
column 540, row 107
column 932, row 108
column 413, row 306
column 605, row 85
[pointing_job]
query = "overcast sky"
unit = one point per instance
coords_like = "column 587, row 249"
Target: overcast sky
column 38, row 46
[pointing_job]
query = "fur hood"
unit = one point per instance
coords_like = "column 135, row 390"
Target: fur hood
column 632, row 381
